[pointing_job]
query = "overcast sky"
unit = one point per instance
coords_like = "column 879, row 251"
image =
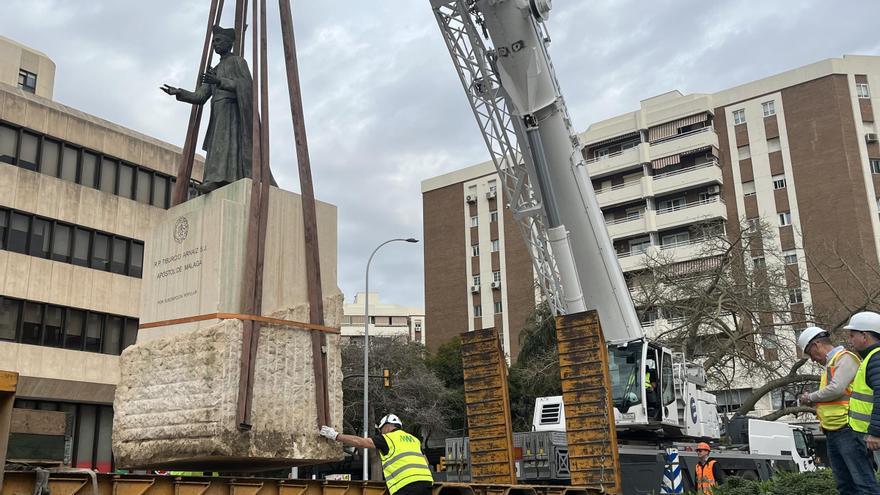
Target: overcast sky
column 384, row 107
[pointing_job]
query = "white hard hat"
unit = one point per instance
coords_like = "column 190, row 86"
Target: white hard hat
column 866, row 321
column 389, row 419
column 808, row 335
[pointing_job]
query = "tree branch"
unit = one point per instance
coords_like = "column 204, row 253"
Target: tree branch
column 785, row 411
column 749, row 404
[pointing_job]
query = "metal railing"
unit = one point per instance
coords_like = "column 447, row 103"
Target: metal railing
column 611, row 155
column 683, row 134
column 673, row 245
column 628, row 218
column 618, row 187
column 710, row 163
column 694, row 204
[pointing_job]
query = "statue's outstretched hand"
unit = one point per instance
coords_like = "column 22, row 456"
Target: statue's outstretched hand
column 171, row 90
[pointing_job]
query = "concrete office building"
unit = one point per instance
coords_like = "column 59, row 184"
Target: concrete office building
column 77, row 196
column 798, row 150
column 386, row 319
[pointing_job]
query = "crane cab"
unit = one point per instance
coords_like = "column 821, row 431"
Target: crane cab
column 643, row 385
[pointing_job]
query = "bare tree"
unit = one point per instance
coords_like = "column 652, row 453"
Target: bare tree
column 416, row 394
column 734, row 305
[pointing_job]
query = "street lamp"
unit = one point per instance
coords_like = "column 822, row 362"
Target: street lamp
column 366, row 471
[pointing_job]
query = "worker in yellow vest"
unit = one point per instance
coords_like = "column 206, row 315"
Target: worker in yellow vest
column 864, row 418
column 403, row 464
column 832, row 408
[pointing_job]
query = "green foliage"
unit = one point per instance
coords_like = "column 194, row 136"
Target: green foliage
column 446, row 364
column 536, row 372
column 815, row 483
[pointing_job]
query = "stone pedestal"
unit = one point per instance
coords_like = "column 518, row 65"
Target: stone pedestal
column 176, row 402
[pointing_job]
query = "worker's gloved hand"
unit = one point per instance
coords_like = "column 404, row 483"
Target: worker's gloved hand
column 329, row 432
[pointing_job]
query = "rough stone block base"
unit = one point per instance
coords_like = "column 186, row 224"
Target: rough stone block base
column 176, row 401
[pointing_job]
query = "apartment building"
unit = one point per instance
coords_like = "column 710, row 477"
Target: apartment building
column 478, row 273
column 77, row 196
column 798, row 150
column 386, row 319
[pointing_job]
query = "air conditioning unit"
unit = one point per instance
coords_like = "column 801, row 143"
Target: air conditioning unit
column 470, row 198
column 714, row 190
column 871, row 137
column 491, row 195
column 475, row 289
column 496, row 285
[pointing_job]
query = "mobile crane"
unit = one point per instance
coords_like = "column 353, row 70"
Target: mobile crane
column 517, row 102
column 499, row 49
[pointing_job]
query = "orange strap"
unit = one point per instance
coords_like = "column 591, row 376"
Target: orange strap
column 835, row 403
column 238, row 316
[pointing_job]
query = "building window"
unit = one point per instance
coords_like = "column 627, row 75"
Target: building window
column 790, row 257
column 739, row 117
column 672, row 240
column 769, row 108
column 779, row 181
column 42, row 324
column 91, row 427
column 875, row 166
column 758, row 262
column 773, row 145
column 795, row 296
column 729, row 401
column 784, row 218
column 496, row 276
column 671, row 204
column 497, row 307
column 862, row 90
column 493, row 186
column 27, row 81
column 478, row 311
column 475, row 250
column 475, row 221
column 50, row 239
column 476, row 280
column 72, row 163
column 749, row 188
column 744, row 152
column 496, row 245
column 493, row 216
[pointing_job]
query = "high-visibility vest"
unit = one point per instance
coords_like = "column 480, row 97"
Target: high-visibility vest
column 861, row 399
column 404, row 463
column 834, row 415
column 706, row 477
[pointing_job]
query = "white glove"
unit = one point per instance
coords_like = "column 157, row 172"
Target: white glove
column 328, row 432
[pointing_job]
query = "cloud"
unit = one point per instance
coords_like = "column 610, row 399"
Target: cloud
column 383, row 106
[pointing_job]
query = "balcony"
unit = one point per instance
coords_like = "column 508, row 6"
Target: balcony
column 621, row 193
column 683, row 251
column 672, row 145
column 706, row 173
column 694, row 212
column 626, row 227
column 633, row 260
column 615, row 162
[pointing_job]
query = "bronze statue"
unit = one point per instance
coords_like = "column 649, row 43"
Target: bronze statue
column 230, row 129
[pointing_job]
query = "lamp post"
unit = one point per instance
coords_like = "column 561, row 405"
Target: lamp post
column 366, row 471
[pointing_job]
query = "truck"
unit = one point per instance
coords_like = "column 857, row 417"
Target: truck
column 759, row 449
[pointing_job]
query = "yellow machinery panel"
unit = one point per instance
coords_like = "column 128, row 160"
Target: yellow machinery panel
column 488, row 408
column 589, row 412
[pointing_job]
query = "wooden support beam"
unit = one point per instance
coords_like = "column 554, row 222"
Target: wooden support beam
column 310, row 222
column 184, row 170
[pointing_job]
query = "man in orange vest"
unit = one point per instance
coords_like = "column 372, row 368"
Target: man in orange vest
column 848, row 457
column 708, row 473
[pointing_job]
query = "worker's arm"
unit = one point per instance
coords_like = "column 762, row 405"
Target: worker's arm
column 720, row 477
column 847, row 367
column 348, row 440
column 356, row 441
column 872, row 378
